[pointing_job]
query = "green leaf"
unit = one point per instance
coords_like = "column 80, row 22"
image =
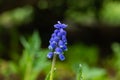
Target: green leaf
column 24, row 43
column 35, row 41
column 79, row 73
column 48, row 76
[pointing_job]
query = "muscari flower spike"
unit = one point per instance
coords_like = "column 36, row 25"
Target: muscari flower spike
column 58, row 41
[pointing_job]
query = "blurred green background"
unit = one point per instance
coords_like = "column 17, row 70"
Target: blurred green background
column 93, row 35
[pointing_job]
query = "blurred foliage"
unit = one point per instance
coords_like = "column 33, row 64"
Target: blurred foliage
column 86, row 72
column 87, row 54
column 116, row 50
column 94, row 73
column 7, row 69
column 115, row 63
column 88, row 57
column 43, row 4
column 47, row 76
column 16, row 16
column 81, row 11
column 87, row 17
column 46, row 4
column 110, row 13
column 32, row 61
column 79, row 4
column 79, row 73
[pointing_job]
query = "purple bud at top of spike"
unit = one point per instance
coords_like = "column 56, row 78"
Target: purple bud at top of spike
column 59, row 22
column 59, row 25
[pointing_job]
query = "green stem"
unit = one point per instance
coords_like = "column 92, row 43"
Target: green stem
column 53, row 66
column 79, row 73
column 27, row 72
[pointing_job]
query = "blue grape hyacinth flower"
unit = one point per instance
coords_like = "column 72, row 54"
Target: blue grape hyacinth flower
column 58, row 41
